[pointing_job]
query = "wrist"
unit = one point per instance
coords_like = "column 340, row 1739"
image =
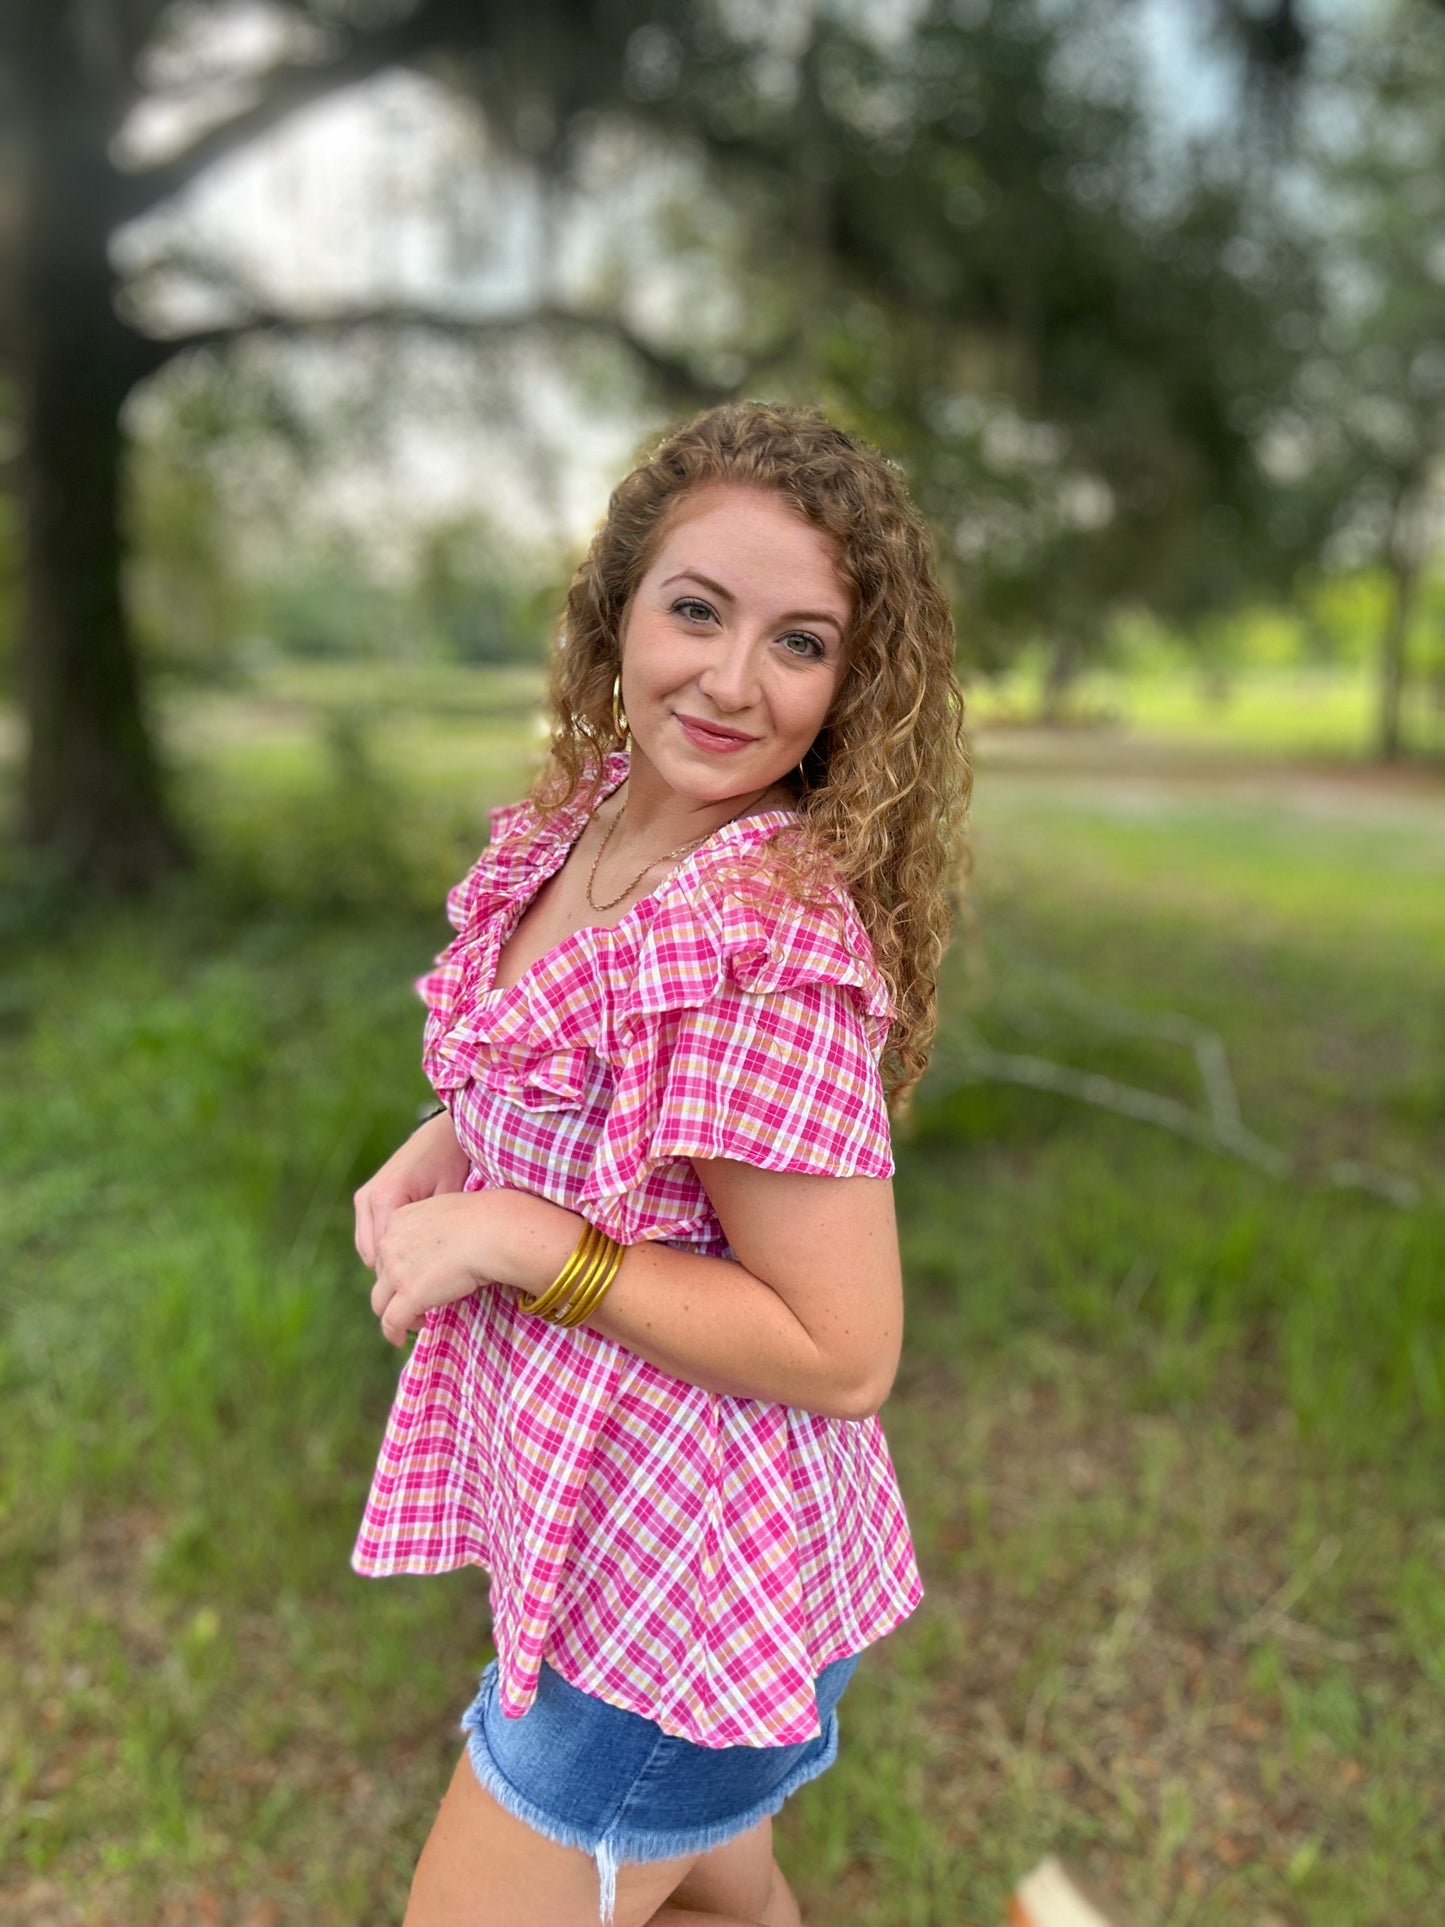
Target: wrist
column 535, row 1239
column 438, row 1142
column 583, row 1282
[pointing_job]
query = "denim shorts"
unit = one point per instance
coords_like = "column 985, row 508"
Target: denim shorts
column 589, row 1774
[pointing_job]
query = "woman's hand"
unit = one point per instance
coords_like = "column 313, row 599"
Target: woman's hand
column 429, row 1164
column 444, row 1248
column 432, row 1253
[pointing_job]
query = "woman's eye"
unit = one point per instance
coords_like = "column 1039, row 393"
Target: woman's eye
column 812, row 648
column 692, row 609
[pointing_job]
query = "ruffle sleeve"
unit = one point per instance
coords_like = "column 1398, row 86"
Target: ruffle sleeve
column 506, row 869
column 503, row 869
column 521, row 851
column 747, row 1031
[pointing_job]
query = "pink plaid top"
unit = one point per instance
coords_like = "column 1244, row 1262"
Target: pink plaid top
column 692, row 1557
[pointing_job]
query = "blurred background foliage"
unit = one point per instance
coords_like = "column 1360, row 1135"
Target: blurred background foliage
column 1156, row 335
column 324, row 329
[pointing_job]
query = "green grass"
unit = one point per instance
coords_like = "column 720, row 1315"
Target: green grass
column 1169, row 1429
column 1286, row 712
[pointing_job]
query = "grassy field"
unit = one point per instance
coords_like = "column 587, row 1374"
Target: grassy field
column 1294, row 712
column 1169, row 1427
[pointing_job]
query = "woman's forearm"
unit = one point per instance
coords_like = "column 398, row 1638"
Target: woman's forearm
column 708, row 1321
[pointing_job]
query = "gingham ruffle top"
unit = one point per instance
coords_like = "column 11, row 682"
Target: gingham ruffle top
column 690, row 1556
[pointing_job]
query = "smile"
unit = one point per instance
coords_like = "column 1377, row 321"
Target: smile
column 703, row 736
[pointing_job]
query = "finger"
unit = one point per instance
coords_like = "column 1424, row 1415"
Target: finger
column 387, row 1306
column 365, row 1228
column 376, row 1205
column 384, row 1207
column 396, row 1327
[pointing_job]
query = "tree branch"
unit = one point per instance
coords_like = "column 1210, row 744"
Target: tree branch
column 968, row 1060
column 1210, row 1057
column 677, row 378
column 978, row 1063
column 288, row 85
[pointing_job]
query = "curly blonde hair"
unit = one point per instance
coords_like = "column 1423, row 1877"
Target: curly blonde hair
column 882, row 794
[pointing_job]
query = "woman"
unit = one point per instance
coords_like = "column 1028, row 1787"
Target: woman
column 649, row 1245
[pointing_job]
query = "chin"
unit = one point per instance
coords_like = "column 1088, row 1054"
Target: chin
column 730, row 781
column 718, row 777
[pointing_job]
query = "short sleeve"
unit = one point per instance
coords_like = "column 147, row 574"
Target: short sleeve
column 750, row 1035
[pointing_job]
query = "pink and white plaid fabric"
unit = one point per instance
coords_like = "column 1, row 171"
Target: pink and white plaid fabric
column 694, row 1558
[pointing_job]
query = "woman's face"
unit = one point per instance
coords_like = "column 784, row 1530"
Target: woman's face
column 732, row 644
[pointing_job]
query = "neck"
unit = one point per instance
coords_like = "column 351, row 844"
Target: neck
column 654, row 815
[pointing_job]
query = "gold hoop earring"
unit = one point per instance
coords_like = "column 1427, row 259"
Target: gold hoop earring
column 619, row 720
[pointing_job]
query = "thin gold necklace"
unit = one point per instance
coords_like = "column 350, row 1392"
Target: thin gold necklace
column 681, row 850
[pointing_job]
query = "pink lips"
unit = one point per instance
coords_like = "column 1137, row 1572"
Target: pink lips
column 704, row 737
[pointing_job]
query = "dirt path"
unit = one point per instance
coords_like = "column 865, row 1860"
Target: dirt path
column 1412, row 795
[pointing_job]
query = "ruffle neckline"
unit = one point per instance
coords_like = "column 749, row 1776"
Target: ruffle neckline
column 520, row 858
column 673, row 950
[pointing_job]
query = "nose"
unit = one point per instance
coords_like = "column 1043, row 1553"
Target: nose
column 729, row 679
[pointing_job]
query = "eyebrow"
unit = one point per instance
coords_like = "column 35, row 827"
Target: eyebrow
column 793, row 615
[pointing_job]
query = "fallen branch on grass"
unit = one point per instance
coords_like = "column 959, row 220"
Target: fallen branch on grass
column 1273, row 1619
column 1207, row 1046
column 1262, row 1623
column 978, row 1063
column 968, row 1060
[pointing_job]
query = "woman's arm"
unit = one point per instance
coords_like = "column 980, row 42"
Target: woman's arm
column 810, row 1314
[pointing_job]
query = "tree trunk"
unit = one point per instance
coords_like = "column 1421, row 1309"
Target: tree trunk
column 93, row 807
column 92, row 797
column 1060, row 676
column 1403, row 576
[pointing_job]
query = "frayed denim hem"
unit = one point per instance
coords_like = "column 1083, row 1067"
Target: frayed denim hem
column 619, row 1846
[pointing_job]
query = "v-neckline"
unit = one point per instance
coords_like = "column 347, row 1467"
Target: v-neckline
column 562, row 850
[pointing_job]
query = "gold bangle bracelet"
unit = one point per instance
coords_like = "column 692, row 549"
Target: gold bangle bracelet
column 578, row 1266
column 559, row 1285
column 585, row 1302
column 585, row 1279
column 583, row 1255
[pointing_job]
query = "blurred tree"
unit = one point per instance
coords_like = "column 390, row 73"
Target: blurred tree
column 9, row 561
column 329, row 610
column 71, row 74
column 956, row 229
column 469, row 598
column 1362, row 437
column 1273, row 42
column 186, row 591
column 1069, row 335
